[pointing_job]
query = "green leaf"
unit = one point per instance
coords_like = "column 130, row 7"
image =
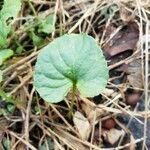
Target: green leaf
column 7, row 143
column 74, row 59
column 46, row 25
column 4, row 30
column 50, row 144
column 5, row 54
column 19, row 49
column 10, row 108
column 1, row 76
column 42, row 147
column 9, row 11
column 37, row 40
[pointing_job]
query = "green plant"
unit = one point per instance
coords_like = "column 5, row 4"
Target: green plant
column 74, row 62
column 9, row 12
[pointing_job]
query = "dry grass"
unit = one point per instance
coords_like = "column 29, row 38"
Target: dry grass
column 34, row 120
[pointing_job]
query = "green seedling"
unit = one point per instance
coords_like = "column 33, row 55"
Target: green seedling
column 70, row 63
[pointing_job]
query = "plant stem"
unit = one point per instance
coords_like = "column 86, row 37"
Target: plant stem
column 32, row 8
column 72, row 100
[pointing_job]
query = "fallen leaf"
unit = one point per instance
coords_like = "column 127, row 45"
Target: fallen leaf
column 113, row 135
column 135, row 73
column 89, row 109
column 82, row 124
column 125, row 39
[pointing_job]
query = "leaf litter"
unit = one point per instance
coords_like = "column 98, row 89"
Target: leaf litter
column 120, row 43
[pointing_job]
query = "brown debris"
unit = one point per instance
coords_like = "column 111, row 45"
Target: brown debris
column 125, row 39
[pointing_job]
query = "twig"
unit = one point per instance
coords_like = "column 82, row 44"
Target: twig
column 26, row 124
column 22, row 140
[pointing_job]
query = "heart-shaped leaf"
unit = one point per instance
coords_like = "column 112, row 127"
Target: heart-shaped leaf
column 70, row 60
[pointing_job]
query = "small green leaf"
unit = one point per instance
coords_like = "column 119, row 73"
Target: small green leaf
column 74, row 59
column 7, row 144
column 37, row 40
column 4, row 30
column 10, row 108
column 19, row 49
column 42, row 147
column 46, row 25
column 9, row 11
column 5, row 54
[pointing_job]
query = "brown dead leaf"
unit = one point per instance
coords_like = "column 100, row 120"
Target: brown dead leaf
column 82, row 124
column 89, row 109
column 135, row 73
column 113, row 135
column 124, row 39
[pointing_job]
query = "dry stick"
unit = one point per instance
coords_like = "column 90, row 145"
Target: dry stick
column 123, row 110
column 87, row 13
column 16, row 143
column 13, row 75
column 55, row 13
column 114, row 110
column 21, row 84
column 39, row 2
column 124, row 146
column 92, row 28
column 58, row 145
column 104, row 32
column 65, row 121
column 63, row 12
column 25, row 88
column 26, row 59
column 79, row 140
column 22, row 140
column 113, row 100
column 146, row 84
column 112, row 35
column 93, row 128
column 127, row 60
column 28, row 117
column 50, row 132
column 97, row 2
